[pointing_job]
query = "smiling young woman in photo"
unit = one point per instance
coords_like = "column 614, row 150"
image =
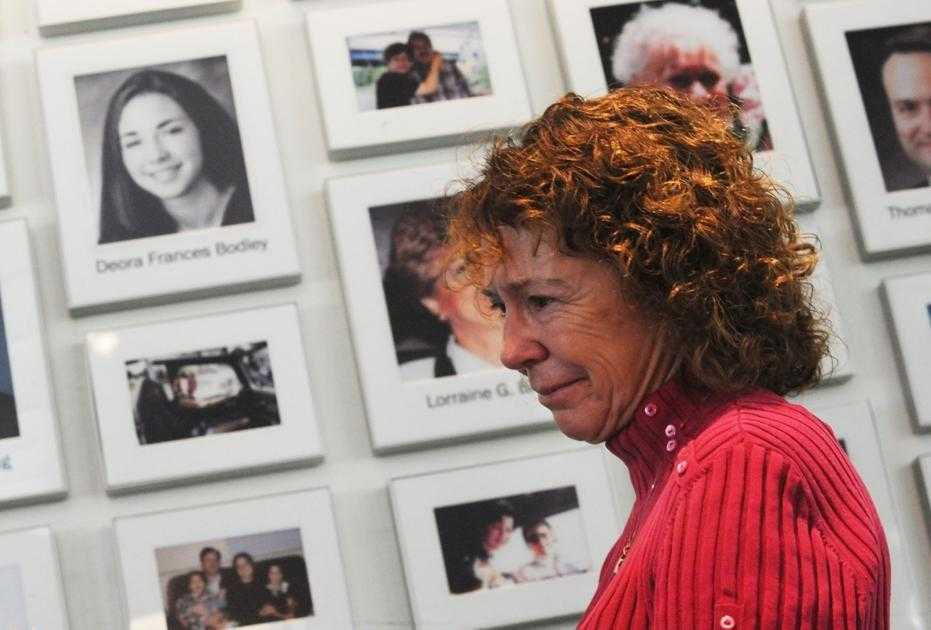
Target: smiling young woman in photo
column 172, row 160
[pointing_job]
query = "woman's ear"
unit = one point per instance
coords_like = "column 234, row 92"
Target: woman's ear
column 433, row 305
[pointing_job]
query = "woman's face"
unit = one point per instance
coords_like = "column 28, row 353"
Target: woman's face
column 274, row 575
column 160, row 145
column 589, row 355
column 498, row 533
column 196, row 585
column 244, row 569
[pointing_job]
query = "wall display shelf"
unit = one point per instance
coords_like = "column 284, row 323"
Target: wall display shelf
column 507, row 543
column 370, row 102
column 426, row 351
column 188, row 564
column 31, row 467
column 167, row 174
column 908, row 303
column 875, row 105
column 855, row 427
column 60, row 17
column 184, row 400
column 31, row 593
column 609, row 43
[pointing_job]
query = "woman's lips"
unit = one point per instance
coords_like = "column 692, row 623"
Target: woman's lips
column 559, row 394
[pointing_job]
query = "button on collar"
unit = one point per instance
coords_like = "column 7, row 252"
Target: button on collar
column 650, row 409
column 670, row 430
column 727, row 622
column 681, row 466
column 671, row 445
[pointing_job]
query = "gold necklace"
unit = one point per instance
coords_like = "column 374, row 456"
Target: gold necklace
column 633, row 535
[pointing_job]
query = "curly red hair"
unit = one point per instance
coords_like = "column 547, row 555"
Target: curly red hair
column 662, row 189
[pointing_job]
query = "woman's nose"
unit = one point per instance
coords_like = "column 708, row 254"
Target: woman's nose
column 520, row 347
column 156, row 150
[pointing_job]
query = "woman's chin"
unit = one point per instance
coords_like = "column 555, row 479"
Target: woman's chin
column 577, row 425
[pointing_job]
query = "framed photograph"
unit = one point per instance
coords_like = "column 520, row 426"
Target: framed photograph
column 508, row 543
column 407, row 75
column 59, row 17
column 31, row 594
column 874, row 61
column 427, row 349
column 31, row 467
column 187, row 399
column 908, row 301
column 855, row 428
column 837, row 367
column 723, row 52
column 260, row 561
column 923, row 464
column 166, row 168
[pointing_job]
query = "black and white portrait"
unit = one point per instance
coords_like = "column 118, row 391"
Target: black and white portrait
column 441, row 327
column 893, row 69
column 696, row 47
column 9, row 425
column 234, row 582
column 192, row 394
column 163, row 149
column 507, row 541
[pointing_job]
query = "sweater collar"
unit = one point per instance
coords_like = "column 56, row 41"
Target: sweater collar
column 663, row 423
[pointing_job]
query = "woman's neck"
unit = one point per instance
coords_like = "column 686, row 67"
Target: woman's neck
column 201, row 207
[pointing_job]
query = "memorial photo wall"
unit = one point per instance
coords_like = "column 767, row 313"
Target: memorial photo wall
column 166, row 167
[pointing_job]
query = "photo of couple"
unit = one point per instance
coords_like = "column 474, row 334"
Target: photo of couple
column 192, row 394
column 423, row 65
column 439, row 328
column 513, row 540
column 265, row 581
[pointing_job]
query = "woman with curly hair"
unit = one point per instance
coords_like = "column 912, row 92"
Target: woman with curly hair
column 655, row 292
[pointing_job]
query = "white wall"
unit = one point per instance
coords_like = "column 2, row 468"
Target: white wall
column 358, row 479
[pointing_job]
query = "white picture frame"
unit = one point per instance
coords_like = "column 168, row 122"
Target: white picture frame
column 31, row 592
column 846, row 43
column 5, row 199
column 352, row 131
column 855, row 425
column 111, row 257
column 402, row 413
column 193, row 376
column 923, row 468
column 31, row 466
column 139, row 538
column 908, row 304
column 788, row 161
column 838, row 367
column 61, row 17
column 415, row 500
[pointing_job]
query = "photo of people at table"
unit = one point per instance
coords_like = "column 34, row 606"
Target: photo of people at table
column 234, row 582
column 441, row 325
column 419, row 65
column 204, row 392
column 513, row 540
column 697, row 48
column 9, row 424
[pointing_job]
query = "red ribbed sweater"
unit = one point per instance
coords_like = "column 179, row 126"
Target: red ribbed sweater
column 748, row 514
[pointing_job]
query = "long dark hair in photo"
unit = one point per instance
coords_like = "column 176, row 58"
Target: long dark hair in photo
column 126, row 210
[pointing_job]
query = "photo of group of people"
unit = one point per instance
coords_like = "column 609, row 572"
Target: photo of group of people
column 441, row 327
column 12, row 599
column 893, row 68
column 512, row 540
column 192, row 394
column 234, row 582
column 163, row 149
column 9, row 424
column 420, row 65
column 696, row 47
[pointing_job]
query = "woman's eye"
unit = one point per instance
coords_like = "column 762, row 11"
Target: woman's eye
column 539, row 301
column 175, row 129
column 496, row 305
column 129, row 144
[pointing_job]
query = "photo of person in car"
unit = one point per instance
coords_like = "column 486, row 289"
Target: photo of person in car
column 193, row 394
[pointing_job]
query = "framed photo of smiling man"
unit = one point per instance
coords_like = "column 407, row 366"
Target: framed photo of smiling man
column 874, row 61
column 426, row 344
column 166, row 168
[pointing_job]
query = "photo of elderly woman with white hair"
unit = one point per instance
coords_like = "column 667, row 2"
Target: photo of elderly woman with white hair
column 697, row 48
